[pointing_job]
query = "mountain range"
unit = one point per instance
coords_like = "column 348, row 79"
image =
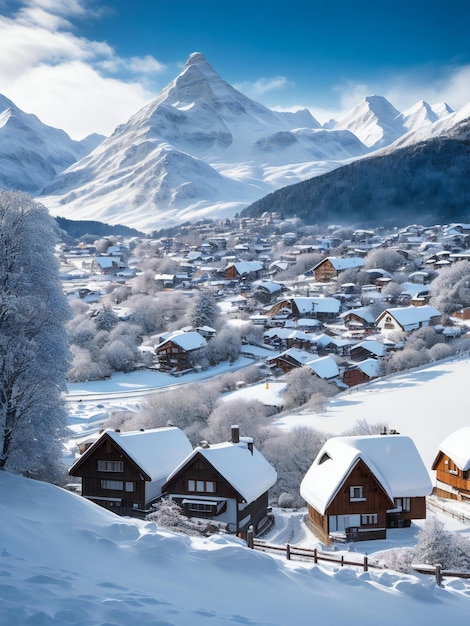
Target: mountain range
column 201, row 149
column 32, row 153
column 422, row 176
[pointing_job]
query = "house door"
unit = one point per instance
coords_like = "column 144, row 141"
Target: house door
column 339, row 523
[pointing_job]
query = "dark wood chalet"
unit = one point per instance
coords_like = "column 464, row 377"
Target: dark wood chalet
column 361, row 373
column 243, row 269
column 328, row 269
column 321, row 308
column 452, row 465
column 226, row 483
column 176, row 353
column 125, row 471
column 357, row 487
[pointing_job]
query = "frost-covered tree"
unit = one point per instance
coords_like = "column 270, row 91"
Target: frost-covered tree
column 450, row 291
column 205, row 311
column 387, row 259
column 437, row 545
column 302, row 383
column 34, row 354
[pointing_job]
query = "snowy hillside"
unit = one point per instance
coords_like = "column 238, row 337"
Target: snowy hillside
column 65, row 561
column 32, row 153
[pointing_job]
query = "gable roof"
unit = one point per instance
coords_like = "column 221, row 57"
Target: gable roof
column 393, row 459
column 457, row 447
column 155, row 451
column 190, row 340
column 248, row 473
column 408, row 315
column 371, row 345
column 341, row 263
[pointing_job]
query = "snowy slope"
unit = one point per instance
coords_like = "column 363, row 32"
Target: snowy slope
column 32, row 153
column 375, row 121
column 65, row 560
column 199, row 146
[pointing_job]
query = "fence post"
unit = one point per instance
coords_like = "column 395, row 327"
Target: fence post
column 366, row 563
column 342, row 560
column 438, row 574
column 288, row 552
column 315, row 555
column 250, row 537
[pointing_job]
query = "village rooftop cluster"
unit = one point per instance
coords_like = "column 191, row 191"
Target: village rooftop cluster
column 287, row 282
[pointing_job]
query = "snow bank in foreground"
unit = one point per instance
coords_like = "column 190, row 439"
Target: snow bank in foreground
column 66, row 561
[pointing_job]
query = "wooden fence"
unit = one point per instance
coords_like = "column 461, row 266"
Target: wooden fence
column 307, row 554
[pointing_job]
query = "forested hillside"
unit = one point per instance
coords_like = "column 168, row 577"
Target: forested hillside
column 426, row 183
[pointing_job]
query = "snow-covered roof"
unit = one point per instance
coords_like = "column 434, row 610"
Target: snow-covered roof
column 246, row 267
column 317, row 305
column 370, row 367
column 156, row 451
column 190, row 340
column 411, row 314
column 324, row 367
column 342, row 263
column 364, row 313
column 247, row 471
column 373, row 346
column 393, row 459
column 457, row 447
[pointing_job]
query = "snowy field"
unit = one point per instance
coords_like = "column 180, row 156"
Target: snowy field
column 65, row 561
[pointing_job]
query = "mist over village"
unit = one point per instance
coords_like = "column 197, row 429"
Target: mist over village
column 234, row 329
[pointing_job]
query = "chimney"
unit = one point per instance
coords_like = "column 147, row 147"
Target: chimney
column 235, row 433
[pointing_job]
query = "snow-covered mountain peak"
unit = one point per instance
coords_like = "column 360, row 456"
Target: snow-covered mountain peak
column 375, row 121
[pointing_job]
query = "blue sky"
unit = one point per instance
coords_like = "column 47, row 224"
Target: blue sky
column 87, row 65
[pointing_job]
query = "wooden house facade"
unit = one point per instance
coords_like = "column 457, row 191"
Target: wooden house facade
column 329, row 268
column 226, row 483
column 452, row 465
column 176, row 353
column 407, row 318
column 124, row 471
column 362, row 372
column 357, row 487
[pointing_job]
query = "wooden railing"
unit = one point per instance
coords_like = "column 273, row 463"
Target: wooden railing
column 306, row 554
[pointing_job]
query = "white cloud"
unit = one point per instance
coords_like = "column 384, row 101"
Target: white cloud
column 263, row 85
column 68, row 81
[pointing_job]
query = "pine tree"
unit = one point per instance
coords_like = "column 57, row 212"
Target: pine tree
column 34, row 355
column 205, row 311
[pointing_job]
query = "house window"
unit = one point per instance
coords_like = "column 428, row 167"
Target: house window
column 369, row 518
column 356, row 494
column 200, row 507
column 110, row 466
column 403, row 503
column 201, row 486
column 129, row 486
column 116, row 485
column 452, row 468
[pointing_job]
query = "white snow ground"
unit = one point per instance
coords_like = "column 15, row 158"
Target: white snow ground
column 64, row 560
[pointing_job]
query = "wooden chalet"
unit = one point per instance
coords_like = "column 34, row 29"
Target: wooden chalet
column 321, row 308
column 362, row 372
column 125, row 471
column 361, row 319
column 329, row 268
column 357, row 487
column 407, row 318
column 368, row 349
column 452, row 465
column 243, row 269
column 176, row 352
column 227, row 483
column 324, row 367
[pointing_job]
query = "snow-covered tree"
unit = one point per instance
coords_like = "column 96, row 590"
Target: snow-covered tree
column 34, row 355
column 437, row 545
column 450, row 291
column 302, row 384
column 205, row 311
